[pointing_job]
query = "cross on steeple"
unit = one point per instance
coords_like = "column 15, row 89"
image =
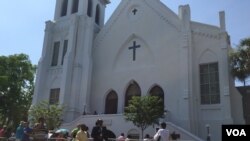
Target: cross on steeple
column 134, row 49
column 134, row 11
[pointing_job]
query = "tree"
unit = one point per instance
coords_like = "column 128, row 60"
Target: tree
column 240, row 61
column 51, row 113
column 144, row 111
column 16, row 88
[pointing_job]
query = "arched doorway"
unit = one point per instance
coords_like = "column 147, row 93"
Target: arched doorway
column 111, row 103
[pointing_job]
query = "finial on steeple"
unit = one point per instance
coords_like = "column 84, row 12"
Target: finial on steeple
column 222, row 20
column 184, row 12
column 184, row 15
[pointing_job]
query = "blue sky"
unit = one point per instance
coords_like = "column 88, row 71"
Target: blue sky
column 23, row 21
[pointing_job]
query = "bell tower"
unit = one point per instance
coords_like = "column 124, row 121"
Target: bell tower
column 65, row 67
column 91, row 8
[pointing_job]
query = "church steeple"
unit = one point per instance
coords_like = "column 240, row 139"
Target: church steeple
column 92, row 8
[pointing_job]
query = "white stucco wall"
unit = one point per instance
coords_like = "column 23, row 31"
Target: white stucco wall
column 157, row 60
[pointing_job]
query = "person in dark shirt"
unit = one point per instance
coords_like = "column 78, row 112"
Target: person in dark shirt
column 99, row 131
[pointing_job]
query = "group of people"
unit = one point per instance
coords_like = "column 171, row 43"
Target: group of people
column 162, row 134
column 25, row 133
column 98, row 133
column 81, row 133
column 22, row 132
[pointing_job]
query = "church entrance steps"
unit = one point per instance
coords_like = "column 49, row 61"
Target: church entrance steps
column 117, row 124
column 184, row 134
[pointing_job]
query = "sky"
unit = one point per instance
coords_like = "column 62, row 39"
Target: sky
column 22, row 22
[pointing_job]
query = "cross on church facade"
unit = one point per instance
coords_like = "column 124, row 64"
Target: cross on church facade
column 134, row 11
column 134, row 47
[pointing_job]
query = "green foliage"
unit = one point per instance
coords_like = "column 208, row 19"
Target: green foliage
column 51, row 113
column 16, row 88
column 240, row 60
column 144, row 111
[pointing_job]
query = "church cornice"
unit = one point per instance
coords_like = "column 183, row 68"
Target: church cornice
column 206, row 35
column 55, row 71
column 205, row 30
column 162, row 16
column 61, row 25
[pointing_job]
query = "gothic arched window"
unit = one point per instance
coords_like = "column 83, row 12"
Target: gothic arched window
column 64, row 8
column 111, row 103
column 97, row 15
column 75, row 6
column 132, row 90
column 89, row 11
column 157, row 91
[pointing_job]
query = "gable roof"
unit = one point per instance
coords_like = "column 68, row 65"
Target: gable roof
column 162, row 11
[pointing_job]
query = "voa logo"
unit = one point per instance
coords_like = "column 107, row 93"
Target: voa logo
column 236, row 132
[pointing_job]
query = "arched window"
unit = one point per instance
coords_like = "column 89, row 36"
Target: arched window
column 209, row 83
column 97, row 15
column 157, row 91
column 89, row 11
column 64, row 8
column 111, row 103
column 75, row 6
column 132, row 90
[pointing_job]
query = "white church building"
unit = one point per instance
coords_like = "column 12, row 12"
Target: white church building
column 93, row 68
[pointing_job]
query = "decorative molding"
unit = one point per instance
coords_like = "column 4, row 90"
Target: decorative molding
column 185, row 40
column 213, row 55
column 206, row 35
column 186, row 94
column 107, row 30
column 59, row 29
column 55, row 71
column 226, row 90
column 164, row 18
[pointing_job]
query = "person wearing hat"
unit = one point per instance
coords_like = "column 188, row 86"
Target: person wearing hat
column 99, row 131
